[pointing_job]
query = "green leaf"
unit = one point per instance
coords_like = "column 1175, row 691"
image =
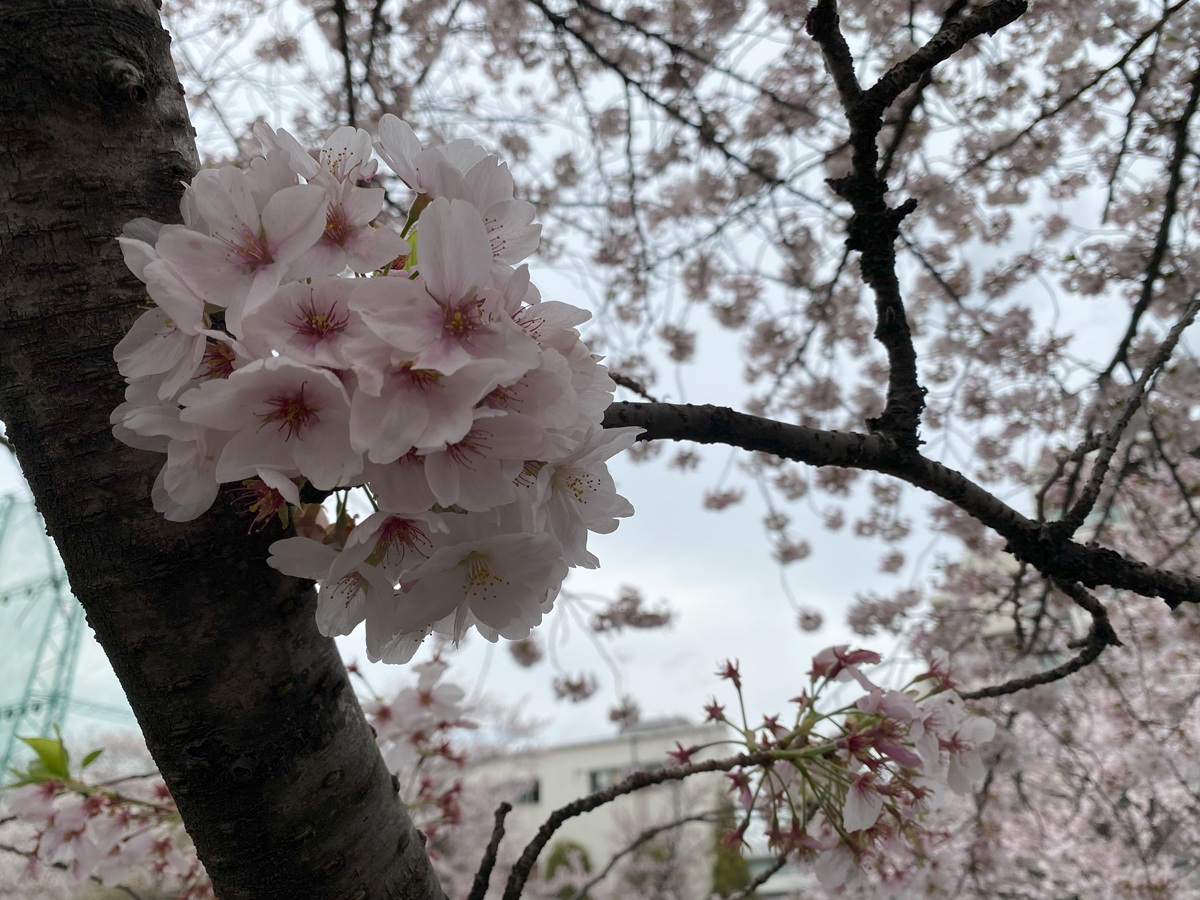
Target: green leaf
column 21, row 779
column 54, row 759
column 90, row 758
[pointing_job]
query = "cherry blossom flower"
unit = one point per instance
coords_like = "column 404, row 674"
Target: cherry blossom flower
column 863, row 803
column 308, row 322
column 350, row 240
column 501, row 580
column 248, row 252
column 285, row 416
column 841, row 663
column 155, row 345
column 423, row 169
column 443, row 320
column 576, row 494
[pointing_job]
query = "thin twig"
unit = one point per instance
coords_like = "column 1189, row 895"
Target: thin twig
column 632, row 384
column 1073, row 519
column 63, row 867
column 522, row 869
column 951, row 38
column 678, row 49
column 648, row 835
column 484, row 875
column 339, row 10
column 702, row 124
column 1047, row 112
column 1162, row 240
column 763, row 877
column 1100, row 636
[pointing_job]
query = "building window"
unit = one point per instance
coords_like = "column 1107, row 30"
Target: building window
column 529, row 794
column 603, row 779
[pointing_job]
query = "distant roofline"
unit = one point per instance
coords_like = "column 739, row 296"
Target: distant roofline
column 664, row 727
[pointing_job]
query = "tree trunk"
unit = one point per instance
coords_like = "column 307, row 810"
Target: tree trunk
column 247, row 710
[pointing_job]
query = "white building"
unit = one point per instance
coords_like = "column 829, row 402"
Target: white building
column 539, row 781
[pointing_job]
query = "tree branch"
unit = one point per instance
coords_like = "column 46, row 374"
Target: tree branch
column 1051, row 553
column 951, row 38
column 524, row 866
column 1073, row 519
column 246, row 708
column 701, row 124
column 1170, row 205
column 484, row 875
column 646, row 836
column 340, row 11
column 1100, row 636
column 873, row 230
column 763, row 877
column 876, row 226
column 63, row 867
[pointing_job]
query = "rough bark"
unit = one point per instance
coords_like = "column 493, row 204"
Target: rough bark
column 247, row 710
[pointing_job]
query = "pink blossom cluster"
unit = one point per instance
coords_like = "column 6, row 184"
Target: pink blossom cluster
column 415, row 731
column 100, row 834
column 849, row 785
column 297, row 342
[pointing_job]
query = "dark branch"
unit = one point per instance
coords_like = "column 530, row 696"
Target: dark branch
column 63, row 867
column 1047, row 113
column 1162, row 240
column 631, row 384
column 702, row 124
column 1048, row 551
column 1100, row 636
column 763, row 877
column 873, row 230
column 948, row 41
column 484, row 875
column 641, row 840
column 635, row 782
column 1108, row 445
column 876, row 226
column 339, row 10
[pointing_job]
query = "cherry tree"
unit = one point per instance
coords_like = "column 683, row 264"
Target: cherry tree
column 905, row 212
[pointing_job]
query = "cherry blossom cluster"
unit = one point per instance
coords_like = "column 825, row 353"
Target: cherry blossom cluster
column 95, row 831
column 415, row 731
column 101, row 833
column 295, row 342
column 850, row 783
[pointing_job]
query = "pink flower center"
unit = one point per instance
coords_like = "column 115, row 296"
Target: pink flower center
column 463, row 320
column 481, row 580
column 473, row 445
column 504, row 397
column 218, row 360
column 256, row 497
column 421, row 379
column 250, row 250
column 337, row 226
column 291, row 411
column 399, row 535
column 311, row 322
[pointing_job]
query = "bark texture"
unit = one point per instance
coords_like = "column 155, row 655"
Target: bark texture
column 247, row 709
